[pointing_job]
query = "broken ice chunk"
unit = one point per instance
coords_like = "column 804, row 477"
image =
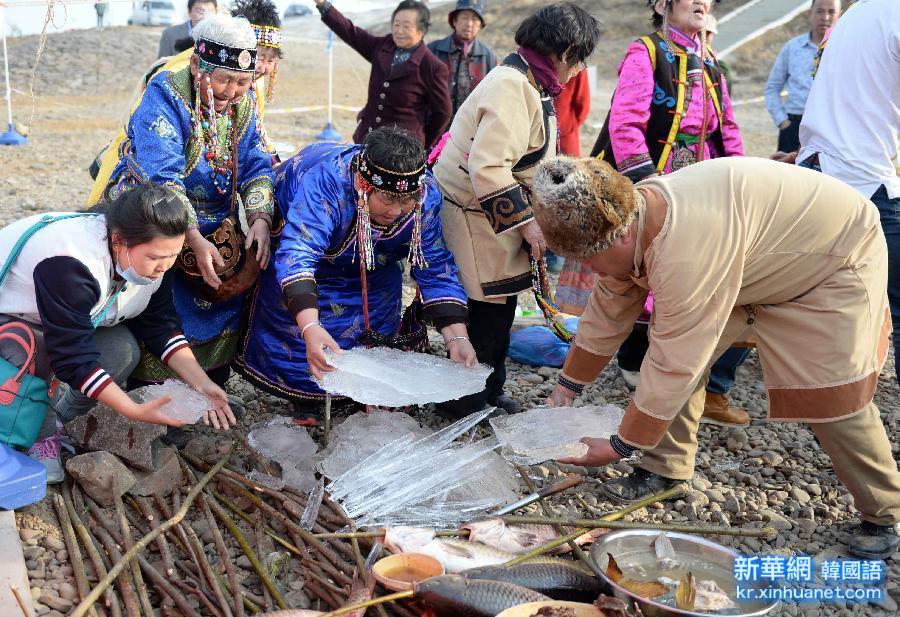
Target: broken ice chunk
column 290, row 446
column 361, row 435
column 187, row 405
column 281, row 440
column 393, row 378
column 561, row 431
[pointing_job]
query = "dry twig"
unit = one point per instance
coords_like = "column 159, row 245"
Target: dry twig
column 99, row 566
column 75, row 557
column 87, row 603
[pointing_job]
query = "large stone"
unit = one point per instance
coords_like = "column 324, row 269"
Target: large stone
column 161, row 482
column 101, row 475
column 776, row 520
column 799, row 494
column 104, row 429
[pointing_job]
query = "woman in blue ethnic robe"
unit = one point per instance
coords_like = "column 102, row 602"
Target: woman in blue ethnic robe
column 196, row 131
column 336, row 198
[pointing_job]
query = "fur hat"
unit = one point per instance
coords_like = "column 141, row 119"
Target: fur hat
column 582, row 205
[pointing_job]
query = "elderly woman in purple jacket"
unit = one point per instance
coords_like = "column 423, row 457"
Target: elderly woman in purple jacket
column 408, row 85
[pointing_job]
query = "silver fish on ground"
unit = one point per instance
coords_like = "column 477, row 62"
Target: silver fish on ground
column 519, row 539
column 454, row 555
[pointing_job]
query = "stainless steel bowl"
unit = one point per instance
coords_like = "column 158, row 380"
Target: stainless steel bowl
column 706, row 560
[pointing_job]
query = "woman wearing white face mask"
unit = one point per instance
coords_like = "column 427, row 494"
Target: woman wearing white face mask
column 90, row 286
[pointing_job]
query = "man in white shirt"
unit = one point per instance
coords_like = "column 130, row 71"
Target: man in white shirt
column 851, row 125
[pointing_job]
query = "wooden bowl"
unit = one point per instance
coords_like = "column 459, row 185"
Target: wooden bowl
column 529, row 609
column 401, row 571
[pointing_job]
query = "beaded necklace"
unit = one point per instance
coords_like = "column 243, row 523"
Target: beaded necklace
column 217, row 154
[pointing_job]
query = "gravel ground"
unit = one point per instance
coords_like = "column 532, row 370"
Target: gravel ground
column 768, row 473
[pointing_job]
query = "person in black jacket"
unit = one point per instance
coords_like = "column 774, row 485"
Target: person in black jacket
column 91, row 287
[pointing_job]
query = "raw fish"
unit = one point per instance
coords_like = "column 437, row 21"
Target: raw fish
column 515, row 539
column 456, row 596
column 454, row 555
column 559, row 579
column 711, row 597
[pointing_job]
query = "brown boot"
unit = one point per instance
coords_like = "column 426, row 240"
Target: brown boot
column 718, row 411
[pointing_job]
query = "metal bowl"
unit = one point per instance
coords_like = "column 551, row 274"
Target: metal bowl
column 706, row 560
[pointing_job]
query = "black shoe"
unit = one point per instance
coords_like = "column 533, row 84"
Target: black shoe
column 454, row 413
column 305, row 414
column 506, row 403
column 874, row 541
column 637, row 486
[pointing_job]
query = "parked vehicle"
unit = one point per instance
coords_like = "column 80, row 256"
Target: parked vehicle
column 297, row 10
column 153, row 13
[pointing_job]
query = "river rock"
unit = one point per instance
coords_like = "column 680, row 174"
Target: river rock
column 67, row 591
column 52, row 543
column 161, row 482
column 772, row 458
column 714, row 495
column 101, row 474
column 799, row 494
column 104, row 429
column 776, row 520
column 732, row 504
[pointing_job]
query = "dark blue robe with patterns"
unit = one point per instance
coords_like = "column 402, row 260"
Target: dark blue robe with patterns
column 316, row 263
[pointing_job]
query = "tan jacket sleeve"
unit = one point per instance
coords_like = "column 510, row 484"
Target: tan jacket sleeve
column 692, row 303
column 504, row 121
column 607, row 321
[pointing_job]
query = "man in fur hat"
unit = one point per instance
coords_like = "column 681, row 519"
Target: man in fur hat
column 731, row 247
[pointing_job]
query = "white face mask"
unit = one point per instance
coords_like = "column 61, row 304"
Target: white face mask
column 130, row 275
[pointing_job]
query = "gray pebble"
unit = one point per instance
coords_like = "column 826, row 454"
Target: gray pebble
column 800, row 495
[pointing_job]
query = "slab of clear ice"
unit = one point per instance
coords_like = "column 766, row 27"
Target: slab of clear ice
column 289, row 445
column 549, row 433
column 361, row 435
column 393, row 378
column 186, row 405
column 434, row 480
column 497, row 480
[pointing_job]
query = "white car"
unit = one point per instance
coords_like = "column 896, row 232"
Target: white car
column 153, row 13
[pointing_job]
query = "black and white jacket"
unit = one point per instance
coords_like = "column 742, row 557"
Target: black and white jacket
column 64, row 281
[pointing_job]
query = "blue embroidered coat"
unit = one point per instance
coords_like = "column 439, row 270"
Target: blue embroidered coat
column 162, row 148
column 317, row 264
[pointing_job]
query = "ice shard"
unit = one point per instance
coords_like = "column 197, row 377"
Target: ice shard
column 393, row 378
column 186, row 405
column 548, row 433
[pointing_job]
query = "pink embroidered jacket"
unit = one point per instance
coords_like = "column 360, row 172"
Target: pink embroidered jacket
column 630, row 111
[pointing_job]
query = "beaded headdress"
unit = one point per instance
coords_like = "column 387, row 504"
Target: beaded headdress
column 267, row 36
column 374, row 177
column 216, row 55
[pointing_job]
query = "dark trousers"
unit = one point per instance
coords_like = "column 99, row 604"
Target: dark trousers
column 721, row 375
column 489, row 327
column 789, row 138
column 889, row 209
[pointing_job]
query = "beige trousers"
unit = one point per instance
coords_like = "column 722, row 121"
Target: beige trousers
column 858, row 446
